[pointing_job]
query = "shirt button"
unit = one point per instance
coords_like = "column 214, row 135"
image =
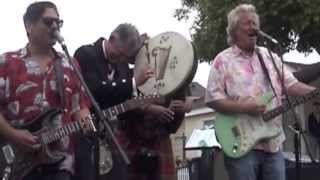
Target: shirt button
column 114, row 83
column 124, row 80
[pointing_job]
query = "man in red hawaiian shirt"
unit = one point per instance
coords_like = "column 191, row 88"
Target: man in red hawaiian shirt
column 29, row 85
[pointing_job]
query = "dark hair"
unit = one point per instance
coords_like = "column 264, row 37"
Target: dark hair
column 36, row 9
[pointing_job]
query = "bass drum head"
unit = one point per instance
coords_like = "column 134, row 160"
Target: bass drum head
column 172, row 57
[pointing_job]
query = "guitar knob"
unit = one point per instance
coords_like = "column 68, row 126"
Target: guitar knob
column 235, row 147
column 7, row 173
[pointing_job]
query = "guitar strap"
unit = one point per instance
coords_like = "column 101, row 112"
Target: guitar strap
column 275, row 66
column 265, row 70
column 60, row 83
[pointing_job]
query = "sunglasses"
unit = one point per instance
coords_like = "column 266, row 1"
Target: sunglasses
column 48, row 21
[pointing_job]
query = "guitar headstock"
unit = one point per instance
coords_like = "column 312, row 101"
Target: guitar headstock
column 87, row 124
column 143, row 100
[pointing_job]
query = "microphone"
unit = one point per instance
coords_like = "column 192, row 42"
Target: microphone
column 265, row 35
column 58, row 37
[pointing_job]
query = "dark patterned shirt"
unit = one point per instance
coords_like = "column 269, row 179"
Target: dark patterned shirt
column 25, row 92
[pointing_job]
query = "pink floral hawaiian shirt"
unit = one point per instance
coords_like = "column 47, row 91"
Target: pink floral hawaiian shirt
column 235, row 75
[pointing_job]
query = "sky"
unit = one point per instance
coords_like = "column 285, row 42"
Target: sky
column 87, row 20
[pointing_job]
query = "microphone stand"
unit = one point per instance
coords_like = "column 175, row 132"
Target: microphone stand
column 97, row 108
column 297, row 129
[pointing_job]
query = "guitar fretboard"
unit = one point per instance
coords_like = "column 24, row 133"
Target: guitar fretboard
column 58, row 133
column 130, row 105
column 287, row 106
column 116, row 110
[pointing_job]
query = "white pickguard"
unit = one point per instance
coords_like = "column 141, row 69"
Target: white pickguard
column 253, row 129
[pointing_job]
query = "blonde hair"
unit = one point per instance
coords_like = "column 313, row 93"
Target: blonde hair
column 234, row 17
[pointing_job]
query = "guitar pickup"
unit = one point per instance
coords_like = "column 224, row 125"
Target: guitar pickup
column 8, row 154
column 235, row 131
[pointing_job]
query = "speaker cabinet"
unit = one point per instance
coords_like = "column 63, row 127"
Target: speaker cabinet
column 308, row 171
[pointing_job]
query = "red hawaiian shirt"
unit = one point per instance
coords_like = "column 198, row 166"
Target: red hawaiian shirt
column 25, row 92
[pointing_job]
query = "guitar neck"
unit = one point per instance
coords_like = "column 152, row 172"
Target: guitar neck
column 130, row 105
column 288, row 104
column 58, row 133
column 75, row 126
column 116, row 110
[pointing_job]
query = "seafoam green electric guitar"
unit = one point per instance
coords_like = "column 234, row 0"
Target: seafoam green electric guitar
column 239, row 133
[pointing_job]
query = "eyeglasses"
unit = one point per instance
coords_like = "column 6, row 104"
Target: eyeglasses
column 48, row 21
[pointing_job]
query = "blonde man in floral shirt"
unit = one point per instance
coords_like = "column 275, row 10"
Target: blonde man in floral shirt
column 236, row 79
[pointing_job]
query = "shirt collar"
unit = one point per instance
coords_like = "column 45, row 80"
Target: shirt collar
column 104, row 49
column 239, row 52
column 24, row 52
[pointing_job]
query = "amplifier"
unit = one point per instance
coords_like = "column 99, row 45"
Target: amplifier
column 309, row 170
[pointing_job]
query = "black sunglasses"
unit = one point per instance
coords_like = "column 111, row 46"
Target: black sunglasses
column 48, row 21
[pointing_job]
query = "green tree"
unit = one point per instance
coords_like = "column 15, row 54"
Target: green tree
column 294, row 23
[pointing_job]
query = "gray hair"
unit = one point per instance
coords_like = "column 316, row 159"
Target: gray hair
column 234, row 17
column 127, row 34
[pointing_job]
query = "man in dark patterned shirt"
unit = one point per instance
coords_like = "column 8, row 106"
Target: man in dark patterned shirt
column 142, row 132
column 29, row 85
